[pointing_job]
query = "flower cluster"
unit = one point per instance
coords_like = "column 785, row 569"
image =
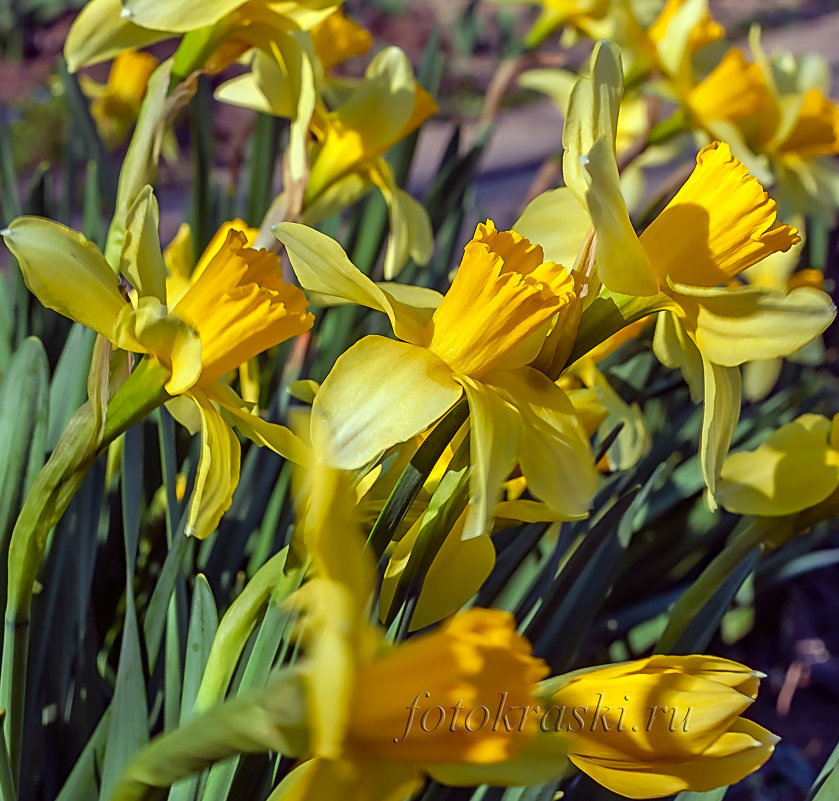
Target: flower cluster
column 457, row 458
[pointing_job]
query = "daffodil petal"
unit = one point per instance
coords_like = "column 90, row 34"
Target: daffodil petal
column 141, row 261
column 303, row 74
column 795, row 468
column 738, row 752
column 760, row 376
column 720, row 414
column 389, row 75
column 278, row 438
column 675, row 349
column 322, row 267
column 495, row 439
column 555, row 455
column 165, row 336
column 673, row 45
column 365, row 780
column 379, row 393
column 558, row 222
column 622, row 263
column 100, row 32
column 459, row 569
column 66, row 272
column 733, row 326
column 178, row 17
column 218, row 470
column 719, row 223
column 410, row 229
column 592, row 114
column 543, row 759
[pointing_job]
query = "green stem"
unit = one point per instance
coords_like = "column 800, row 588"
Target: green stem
column 7, row 784
column 608, row 314
column 270, row 582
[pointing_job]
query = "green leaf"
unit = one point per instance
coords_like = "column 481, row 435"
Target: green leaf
column 264, row 149
column 128, row 725
column 85, row 134
column 83, row 782
column 270, row 719
column 711, row 795
column 203, row 624
column 23, row 433
column 826, row 786
column 68, row 390
column 697, row 613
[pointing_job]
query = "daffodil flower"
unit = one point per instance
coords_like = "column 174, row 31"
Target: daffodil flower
column 358, row 687
column 639, row 750
column 717, row 225
column 350, row 140
column 235, row 306
column 477, row 340
column 116, row 104
column 795, row 469
column 779, row 117
column 216, row 32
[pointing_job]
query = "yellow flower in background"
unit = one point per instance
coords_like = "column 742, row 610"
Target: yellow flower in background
column 796, row 468
column 235, row 307
column 703, row 30
column 476, row 340
column 218, row 31
column 349, row 141
column 662, row 725
column 778, row 271
column 365, row 127
column 338, row 38
column 778, row 117
column 116, row 104
column 734, row 91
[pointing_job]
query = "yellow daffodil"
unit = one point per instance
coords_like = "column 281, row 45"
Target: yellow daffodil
column 478, row 339
column 717, row 225
column 659, row 726
column 778, row 118
column 363, row 695
column 795, row 469
column 349, row 141
column 338, row 38
column 558, row 13
column 116, row 104
column 216, row 32
column 235, row 306
column 643, row 729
